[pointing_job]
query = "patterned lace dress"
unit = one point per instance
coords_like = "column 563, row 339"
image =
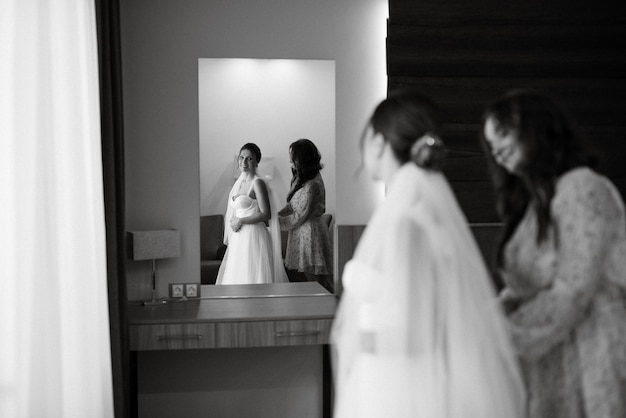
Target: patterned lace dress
column 570, row 329
column 309, row 247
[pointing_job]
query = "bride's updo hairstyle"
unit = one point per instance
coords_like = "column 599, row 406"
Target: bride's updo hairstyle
column 408, row 121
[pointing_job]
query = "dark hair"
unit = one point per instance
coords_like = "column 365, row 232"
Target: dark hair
column 306, row 160
column 552, row 144
column 403, row 118
column 253, row 148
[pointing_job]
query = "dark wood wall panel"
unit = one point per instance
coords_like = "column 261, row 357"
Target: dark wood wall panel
column 610, row 144
column 593, row 101
column 452, row 12
column 497, row 50
column 477, row 200
column 466, row 53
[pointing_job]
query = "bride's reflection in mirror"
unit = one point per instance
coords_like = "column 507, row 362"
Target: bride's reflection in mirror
column 270, row 103
column 253, row 252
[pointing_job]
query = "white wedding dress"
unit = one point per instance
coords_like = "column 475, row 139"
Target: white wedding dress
column 253, row 254
column 418, row 332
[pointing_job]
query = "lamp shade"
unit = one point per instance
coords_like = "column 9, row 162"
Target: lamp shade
column 151, row 245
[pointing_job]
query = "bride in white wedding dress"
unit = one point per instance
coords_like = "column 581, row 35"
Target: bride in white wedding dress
column 419, row 332
column 253, row 254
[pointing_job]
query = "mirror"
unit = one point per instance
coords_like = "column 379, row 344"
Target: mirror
column 271, row 102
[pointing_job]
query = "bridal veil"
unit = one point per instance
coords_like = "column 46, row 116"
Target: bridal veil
column 418, row 332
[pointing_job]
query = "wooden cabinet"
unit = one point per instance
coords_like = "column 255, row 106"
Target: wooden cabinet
column 236, row 317
column 233, row 351
column 229, row 334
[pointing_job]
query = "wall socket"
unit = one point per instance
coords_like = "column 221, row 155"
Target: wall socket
column 189, row 290
column 177, row 290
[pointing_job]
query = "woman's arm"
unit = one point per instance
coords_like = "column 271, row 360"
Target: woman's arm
column 264, row 214
column 585, row 215
column 302, row 207
column 285, row 210
column 508, row 300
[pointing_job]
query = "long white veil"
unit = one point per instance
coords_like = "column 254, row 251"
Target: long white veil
column 229, row 208
column 418, row 332
column 280, row 275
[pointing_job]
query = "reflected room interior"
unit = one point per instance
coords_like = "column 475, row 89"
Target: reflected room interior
column 272, row 103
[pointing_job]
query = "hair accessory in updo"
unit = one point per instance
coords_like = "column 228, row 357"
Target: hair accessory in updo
column 429, row 152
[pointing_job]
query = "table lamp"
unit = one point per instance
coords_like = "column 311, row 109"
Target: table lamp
column 153, row 245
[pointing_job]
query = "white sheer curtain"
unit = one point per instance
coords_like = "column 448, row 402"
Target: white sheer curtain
column 54, row 331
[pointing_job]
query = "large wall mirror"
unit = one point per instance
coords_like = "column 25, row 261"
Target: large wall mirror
column 271, row 102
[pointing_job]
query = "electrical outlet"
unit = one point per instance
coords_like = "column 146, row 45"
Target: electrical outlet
column 191, row 290
column 177, row 290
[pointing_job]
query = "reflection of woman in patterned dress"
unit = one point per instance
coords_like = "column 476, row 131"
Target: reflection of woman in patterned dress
column 253, row 255
column 562, row 260
column 309, row 246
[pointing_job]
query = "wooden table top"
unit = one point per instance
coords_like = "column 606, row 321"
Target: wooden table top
column 237, row 303
column 263, row 290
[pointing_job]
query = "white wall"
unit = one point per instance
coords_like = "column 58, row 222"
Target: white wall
column 161, row 43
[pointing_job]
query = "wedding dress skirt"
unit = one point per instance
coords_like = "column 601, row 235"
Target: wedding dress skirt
column 250, row 254
column 248, row 257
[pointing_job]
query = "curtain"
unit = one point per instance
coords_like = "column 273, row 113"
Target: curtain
column 111, row 116
column 55, row 354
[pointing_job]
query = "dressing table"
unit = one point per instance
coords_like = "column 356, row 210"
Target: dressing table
column 239, row 350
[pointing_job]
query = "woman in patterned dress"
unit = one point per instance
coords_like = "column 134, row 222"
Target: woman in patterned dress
column 562, row 259
column 309, row 246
